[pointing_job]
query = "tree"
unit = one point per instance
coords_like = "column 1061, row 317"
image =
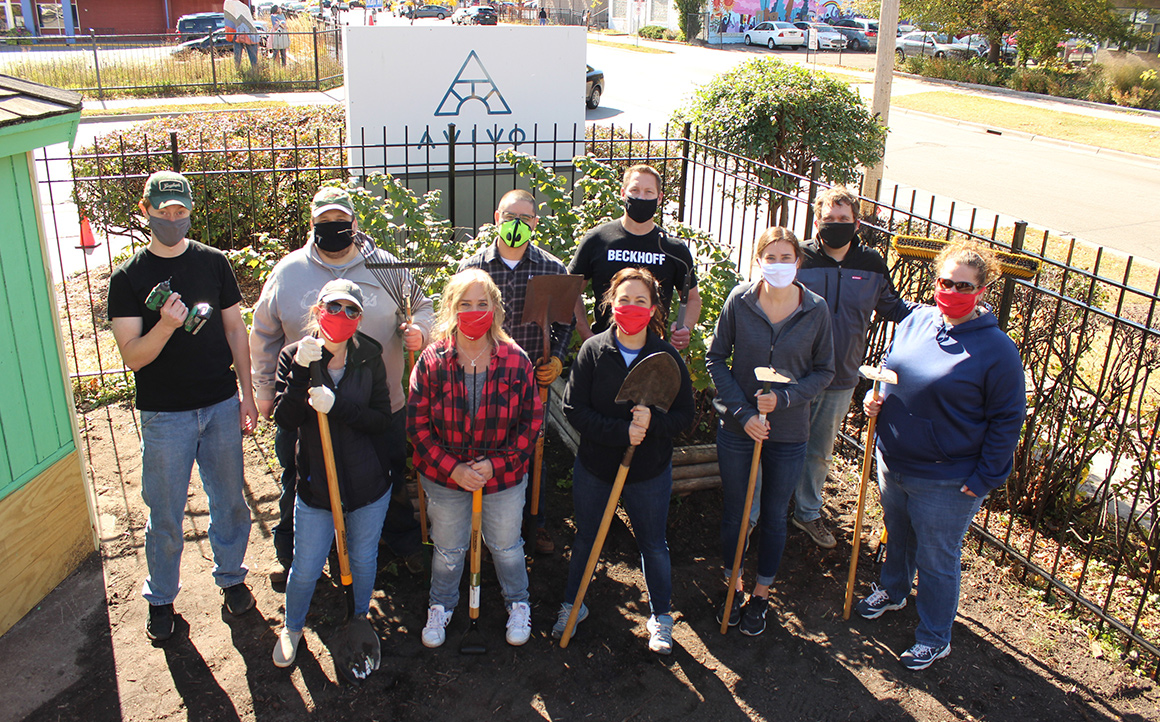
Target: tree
column 785, row 116
column 690, row 21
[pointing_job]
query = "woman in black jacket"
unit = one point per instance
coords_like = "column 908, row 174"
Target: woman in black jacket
column 607, row 428
column 355, row 397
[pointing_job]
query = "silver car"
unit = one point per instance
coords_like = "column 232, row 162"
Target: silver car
column 828, row 38
column 935, row 45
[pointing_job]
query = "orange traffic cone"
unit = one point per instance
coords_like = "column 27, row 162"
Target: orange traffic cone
column 88, row 241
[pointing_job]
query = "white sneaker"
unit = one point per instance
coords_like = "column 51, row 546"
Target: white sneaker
column 519, row 624
column 435, row 633
column 660, row 633
column 286, row 648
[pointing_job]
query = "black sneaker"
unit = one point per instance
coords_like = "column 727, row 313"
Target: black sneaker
column 238, row 599
column 734, row 612
column 160, row 625
column 753, row 617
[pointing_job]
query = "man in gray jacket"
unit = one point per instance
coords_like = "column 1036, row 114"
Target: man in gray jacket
column 280, row 319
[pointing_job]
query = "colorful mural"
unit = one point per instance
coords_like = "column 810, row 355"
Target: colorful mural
column 733, row 16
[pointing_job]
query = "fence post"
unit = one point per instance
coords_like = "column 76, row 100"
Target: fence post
column 317, row 79
column 174, row 156
column 97, row 64
column 684, row 169
column 811, row 194
column 213, row 66
column 451, row 173
column 1009, row 284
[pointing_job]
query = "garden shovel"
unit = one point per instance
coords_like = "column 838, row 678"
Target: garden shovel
column 472, row 642
column 356, row 648
column 879, row 376
column 549, row 299
column 766, row 375
column 654, row 381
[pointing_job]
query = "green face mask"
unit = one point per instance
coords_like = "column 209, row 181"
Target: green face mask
column 515, row 232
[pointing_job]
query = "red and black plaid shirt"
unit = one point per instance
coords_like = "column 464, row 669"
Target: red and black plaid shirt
column 504, row 428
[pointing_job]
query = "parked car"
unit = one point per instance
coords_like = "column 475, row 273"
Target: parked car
column 428, row 11
column 593, row 87
column 861, row 33
column 936, row 45
column 459, row 17
column 976, row 43
column 482, row 15
column 218, row 43
column 904, row 28
column 199, row 25
column 828, row 37
column 775, row 35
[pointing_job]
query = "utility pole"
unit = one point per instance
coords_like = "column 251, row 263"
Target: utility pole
column 880, row 103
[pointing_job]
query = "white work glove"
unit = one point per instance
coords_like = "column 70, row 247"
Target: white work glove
column 321, row 398
column 309, row 351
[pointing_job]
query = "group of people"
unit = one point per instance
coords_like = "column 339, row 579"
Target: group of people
column 329, row 342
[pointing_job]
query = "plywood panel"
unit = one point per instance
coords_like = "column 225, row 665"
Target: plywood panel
column 45, row 532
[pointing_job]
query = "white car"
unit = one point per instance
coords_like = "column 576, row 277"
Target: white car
column 775, row 35
column 828, row 38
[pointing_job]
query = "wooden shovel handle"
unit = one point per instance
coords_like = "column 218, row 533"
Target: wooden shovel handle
column 594, row 555
column 476, row 552
column 867, row 457
column 538, row 458
column 737, row 554
column 332, row 484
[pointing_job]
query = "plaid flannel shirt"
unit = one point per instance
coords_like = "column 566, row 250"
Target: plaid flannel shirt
column 504, row 429
column 513, row 287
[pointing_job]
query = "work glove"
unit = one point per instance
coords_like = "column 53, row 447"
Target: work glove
column 548, row 372
column 321, row 398
column 309, row 351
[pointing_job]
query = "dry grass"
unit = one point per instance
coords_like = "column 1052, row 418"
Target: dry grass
column 183, row 108
column 629, row 46
column 1126, row 136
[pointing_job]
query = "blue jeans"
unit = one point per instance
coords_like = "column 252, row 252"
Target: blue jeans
column 449, row 511
column 251, row 51
column 926, row 520
column 285, row 444
column 313, row 534
column 826, row 413
column 170, row 442
column 781, row 467
column 647, row 504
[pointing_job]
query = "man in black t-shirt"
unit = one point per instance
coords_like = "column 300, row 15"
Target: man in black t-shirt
column 636, row 240
column 187, row 394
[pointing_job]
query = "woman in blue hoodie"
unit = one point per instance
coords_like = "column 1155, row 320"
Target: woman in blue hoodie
column 947, row 433
column 772, row 322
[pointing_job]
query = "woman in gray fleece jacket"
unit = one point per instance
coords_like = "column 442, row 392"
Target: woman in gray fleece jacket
column 772, row 322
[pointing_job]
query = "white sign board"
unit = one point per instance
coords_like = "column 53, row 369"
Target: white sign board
column 813, row 38
column 500, row 86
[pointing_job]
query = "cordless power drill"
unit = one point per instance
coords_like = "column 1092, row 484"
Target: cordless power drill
column 198, row 315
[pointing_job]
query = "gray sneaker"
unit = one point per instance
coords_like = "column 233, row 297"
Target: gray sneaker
column 562, row 619
column 818, row 532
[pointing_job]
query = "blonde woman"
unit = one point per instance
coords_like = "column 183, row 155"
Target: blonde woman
column 473, row 416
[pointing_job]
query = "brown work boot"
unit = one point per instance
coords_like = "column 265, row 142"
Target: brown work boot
column 818, row 532
column 545, row 545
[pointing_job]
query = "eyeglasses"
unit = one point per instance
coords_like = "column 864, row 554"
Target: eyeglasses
column 334, row 308
column 525, row 217
column 961, row 286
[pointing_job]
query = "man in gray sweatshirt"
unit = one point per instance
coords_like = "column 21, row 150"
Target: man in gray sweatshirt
column 280, row 319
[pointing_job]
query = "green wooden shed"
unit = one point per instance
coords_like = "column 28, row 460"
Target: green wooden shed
column 46, row 512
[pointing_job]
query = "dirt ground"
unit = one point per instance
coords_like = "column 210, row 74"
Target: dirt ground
column 1011, row 659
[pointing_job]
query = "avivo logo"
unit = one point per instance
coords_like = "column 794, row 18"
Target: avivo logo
column 473, row 82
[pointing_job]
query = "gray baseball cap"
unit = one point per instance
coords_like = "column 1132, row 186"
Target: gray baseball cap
column 340, row 289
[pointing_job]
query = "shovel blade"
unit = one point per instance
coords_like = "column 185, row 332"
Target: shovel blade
column 472, row 642
column 356, row 651
column 770, row 375
column 552, row 299
column 881, row 375
column 654, row 381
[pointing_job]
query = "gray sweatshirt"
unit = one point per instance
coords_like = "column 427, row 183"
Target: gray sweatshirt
column 803, row 349
column 292, row 288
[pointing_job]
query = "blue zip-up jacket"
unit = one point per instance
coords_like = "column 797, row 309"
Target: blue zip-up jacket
column 958, row 408
column 802, row 350
column 853, row 288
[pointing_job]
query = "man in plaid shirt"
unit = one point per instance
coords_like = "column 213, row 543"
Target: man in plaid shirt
column 511, row 262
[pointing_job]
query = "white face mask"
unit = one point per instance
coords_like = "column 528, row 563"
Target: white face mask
column 779, row 275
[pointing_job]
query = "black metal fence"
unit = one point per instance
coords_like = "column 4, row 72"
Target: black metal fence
column 1078, row 518
column 114, row 66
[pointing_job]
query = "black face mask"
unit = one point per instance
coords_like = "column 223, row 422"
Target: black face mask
column 836, row 235
column 334, row 236
column 640, row 210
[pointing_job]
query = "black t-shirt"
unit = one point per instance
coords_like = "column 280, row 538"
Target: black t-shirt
column 608, row 248
column 191, row 372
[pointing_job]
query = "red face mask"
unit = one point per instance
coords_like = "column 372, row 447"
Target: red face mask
column 631, row 320
column 336, row 326
column 954, row 304
column 474, row 324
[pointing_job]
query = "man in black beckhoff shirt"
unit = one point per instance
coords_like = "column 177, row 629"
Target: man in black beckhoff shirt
column 635, row 239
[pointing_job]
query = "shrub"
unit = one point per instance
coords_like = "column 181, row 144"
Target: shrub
column 244, row 173
column 656, row 32
column 690, row 17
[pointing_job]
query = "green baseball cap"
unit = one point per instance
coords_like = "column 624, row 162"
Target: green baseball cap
column 341, row 289
column 165, row 188
column 331, row 198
